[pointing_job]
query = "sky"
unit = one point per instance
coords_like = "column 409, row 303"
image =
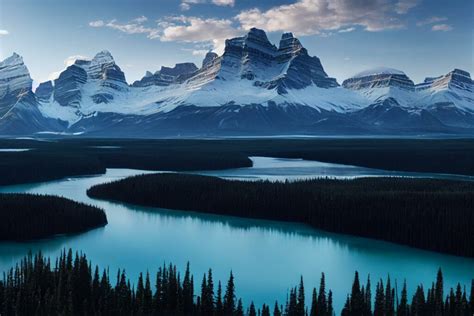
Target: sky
column 420, row 37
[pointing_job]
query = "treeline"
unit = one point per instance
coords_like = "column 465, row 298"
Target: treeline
column 28, row 216
column 72, row 286
column 59, row 158
column 424, row 213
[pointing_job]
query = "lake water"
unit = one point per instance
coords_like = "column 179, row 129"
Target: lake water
column 13, row 150
column 266, row 257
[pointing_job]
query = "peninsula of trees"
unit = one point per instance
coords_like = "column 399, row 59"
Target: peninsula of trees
column 28, row 216
column 72, row 286
column 430, row 214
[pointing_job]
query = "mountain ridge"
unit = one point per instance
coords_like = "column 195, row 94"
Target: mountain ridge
column 276, row 88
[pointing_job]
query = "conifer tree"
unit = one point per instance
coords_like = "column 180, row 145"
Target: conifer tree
column 252, row 311
column 438, row 303
column 402, row 309
column 356, row 301
column 300, row 305
column 368, row 298
column 276, row 310
column 322, row 301
column 240, row 309
column 314, row 304
column 330, row 310
column 379, row 306
column 229, row 297
column 219, row 304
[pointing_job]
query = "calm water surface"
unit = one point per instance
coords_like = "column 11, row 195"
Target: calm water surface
column 266, row 257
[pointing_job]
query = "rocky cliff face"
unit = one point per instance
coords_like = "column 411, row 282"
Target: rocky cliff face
column 19, row 113
column 167, row 76
column 44, row 91
column 254, row 87
column 96, row 80
column 15, row 81
column 379, row 84
column 289, row 66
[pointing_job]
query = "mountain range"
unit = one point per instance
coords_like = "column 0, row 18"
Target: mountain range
column 253, row 88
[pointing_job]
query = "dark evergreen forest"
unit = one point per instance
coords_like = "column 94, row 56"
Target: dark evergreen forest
column 424, row 213
column 72, row 286
column 28, row 216
column 58, row 158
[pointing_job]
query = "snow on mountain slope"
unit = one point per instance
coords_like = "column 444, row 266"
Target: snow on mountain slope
column 251, row 71
column 255, row 86
column 19, row 112
column 14, row 76
column 455, row 88
column 382, row 83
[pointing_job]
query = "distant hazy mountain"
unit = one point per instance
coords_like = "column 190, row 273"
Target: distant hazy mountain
column 254, row 88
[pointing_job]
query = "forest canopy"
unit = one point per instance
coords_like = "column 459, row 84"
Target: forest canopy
column 29, row 216
column 424, row 213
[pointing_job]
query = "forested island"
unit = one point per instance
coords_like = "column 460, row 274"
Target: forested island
column 53, row 159
column 429, row 214
column 29, row 216
column 72, row 286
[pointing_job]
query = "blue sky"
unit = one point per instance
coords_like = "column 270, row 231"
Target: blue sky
column 421, row 37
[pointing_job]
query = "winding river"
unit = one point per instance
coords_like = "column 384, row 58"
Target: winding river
column 266, row 257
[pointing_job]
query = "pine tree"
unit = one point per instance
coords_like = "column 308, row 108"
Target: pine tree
column 356, row 301
column 330, row 310
column 229, row 297
column 389, row 299
column 471, row 297
column 368, row 298
column 188, row 292
column 322, row 301
column 439, row 294
column 147, row 308
column 346, row 310
column 314, row 304
column 276, row 310
column 379, row 306
column 219, row 304
column 300, row 305
column 402, row 309
column 252, row 311
column 240, row 309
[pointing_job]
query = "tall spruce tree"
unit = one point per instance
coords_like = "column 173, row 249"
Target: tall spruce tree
column 229, row 297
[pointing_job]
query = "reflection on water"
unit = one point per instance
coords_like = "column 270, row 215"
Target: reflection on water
column 266, row 257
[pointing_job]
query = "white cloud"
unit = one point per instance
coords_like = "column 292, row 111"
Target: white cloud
column 306, row 17
column 98, row 23
column 4, row 32
column 67, row 62
column 403, row 6
column 140, row 19
column 431, row 20
column 134, row 26
column 229, row 3
column 200, row 52
column 442, row 27
column 349, row 29
column 199, row 30
column 186, row 4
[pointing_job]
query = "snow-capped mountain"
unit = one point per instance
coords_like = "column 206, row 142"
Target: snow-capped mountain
column 435, row 104
column 19, row 112
column 255, row 87
column 382, row 83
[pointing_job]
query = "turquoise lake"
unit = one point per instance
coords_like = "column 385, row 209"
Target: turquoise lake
column 267, row 257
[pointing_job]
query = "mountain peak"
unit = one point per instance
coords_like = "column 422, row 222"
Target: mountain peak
column 210, row 57
column 378, row 71
column 14, row 76
column 14, row 59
